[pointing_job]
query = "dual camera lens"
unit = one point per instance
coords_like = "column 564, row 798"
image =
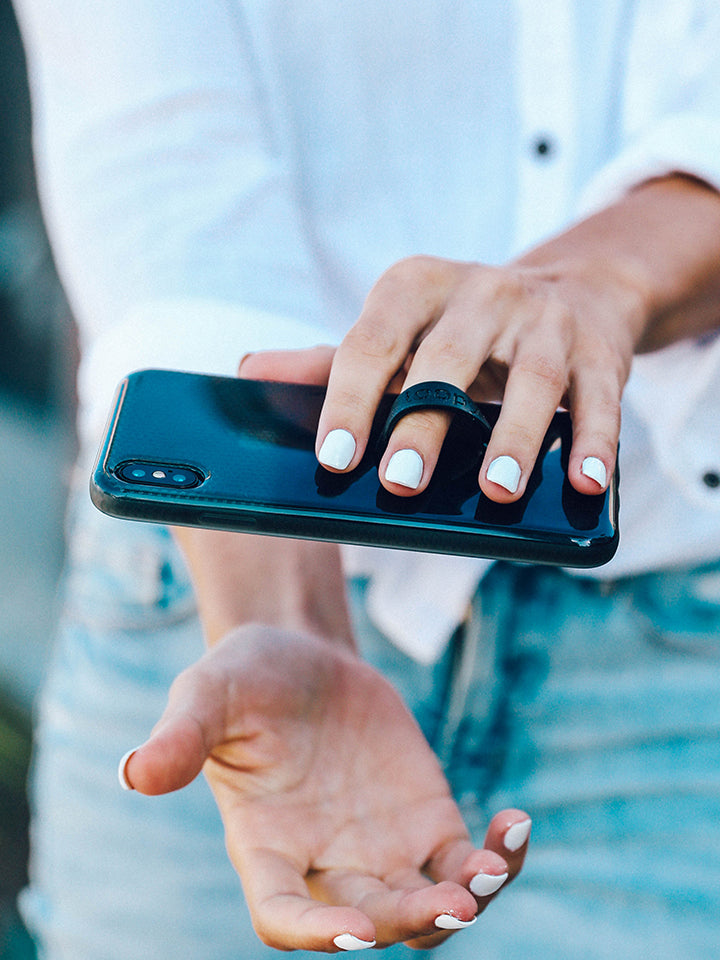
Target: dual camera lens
column 160, row 474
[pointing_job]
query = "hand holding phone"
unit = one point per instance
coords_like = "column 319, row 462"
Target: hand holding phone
column 235, row 454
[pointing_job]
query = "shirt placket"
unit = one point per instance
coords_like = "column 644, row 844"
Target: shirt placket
column 545, row 76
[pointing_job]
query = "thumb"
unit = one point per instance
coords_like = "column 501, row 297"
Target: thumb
column 311, row 365
column 191, row 726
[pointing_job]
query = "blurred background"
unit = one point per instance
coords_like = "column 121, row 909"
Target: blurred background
column 37, row 360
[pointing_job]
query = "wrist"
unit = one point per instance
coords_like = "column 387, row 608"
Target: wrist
column 295, row 585
column 610, row 292
column 653, row 258
column 600, row 277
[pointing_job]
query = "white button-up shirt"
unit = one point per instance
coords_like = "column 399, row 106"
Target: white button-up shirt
column 221, row 176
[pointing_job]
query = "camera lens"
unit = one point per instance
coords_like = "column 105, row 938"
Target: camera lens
column 160, row 474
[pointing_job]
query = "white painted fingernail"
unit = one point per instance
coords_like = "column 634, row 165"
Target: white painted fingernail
column 517, row 835
column 485, row 884
column 122, row 774
column 406, row 468
column 337, row 450
column 346, row 941
column 447, row 922
column 505, row 472
column 595, row 469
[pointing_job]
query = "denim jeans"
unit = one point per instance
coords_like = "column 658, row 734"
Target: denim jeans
column 594, row 706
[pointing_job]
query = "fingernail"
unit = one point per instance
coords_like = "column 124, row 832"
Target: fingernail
column 337, row 450
column 406, row 468
column 485, row 884
column 447, row 922
column 122, row 774
column 595, row 469
column 346, row 941
column 505, row 472
column 517, row 835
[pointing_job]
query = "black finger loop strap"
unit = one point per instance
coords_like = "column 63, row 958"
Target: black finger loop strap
column 437, row 395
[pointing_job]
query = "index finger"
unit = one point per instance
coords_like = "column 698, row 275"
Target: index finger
column 398, row 309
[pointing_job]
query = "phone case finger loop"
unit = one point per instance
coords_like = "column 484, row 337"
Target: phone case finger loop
column 437, row 395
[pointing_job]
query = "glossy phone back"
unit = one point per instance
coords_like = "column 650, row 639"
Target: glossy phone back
column 239, row 455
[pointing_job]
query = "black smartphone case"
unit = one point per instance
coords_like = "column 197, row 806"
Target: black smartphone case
column 243, row 451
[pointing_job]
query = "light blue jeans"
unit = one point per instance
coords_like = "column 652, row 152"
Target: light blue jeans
column 595, row 707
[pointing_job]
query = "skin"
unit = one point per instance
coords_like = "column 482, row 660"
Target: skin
column 337, row 816
column 333, row 825
column 560, row 325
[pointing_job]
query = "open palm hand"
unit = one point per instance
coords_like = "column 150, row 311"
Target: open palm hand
column 337, row 815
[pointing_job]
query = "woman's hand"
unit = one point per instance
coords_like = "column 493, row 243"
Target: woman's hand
column 521, row 334
column 559, row 326
column 338, row 818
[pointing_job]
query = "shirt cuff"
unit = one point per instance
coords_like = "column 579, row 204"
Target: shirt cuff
column 687, row 144
column 204, row 336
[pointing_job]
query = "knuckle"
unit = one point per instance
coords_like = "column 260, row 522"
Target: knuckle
column 445, row 349
column 605, row 419
column 506, row 286
column 373, row 338
column 599, row 428
column 421, row 275
column 411, row 268
column 611, row 363
column 516, row 436
column 603, row 438
column 521, row 437
column 544, row 370
column 349, row 402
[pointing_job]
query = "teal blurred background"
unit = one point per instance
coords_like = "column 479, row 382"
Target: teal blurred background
column 37, row 360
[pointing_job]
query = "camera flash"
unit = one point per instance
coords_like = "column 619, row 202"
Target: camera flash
column 159, row 474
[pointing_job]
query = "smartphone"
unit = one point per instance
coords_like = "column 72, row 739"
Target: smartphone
column 225, row 453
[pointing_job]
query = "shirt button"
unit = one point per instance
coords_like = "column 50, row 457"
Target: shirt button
column 543, row 147
column 711, row 479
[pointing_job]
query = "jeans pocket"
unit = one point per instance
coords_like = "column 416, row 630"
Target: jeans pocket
column 123, row 575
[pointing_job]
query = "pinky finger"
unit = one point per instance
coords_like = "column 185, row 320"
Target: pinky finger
column 595, row 411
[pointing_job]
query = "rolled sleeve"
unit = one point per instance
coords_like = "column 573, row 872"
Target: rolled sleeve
column 668, row 97
column 687, row 144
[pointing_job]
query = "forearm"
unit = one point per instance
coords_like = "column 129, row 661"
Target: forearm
column 654, row 255
column 292, row 584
